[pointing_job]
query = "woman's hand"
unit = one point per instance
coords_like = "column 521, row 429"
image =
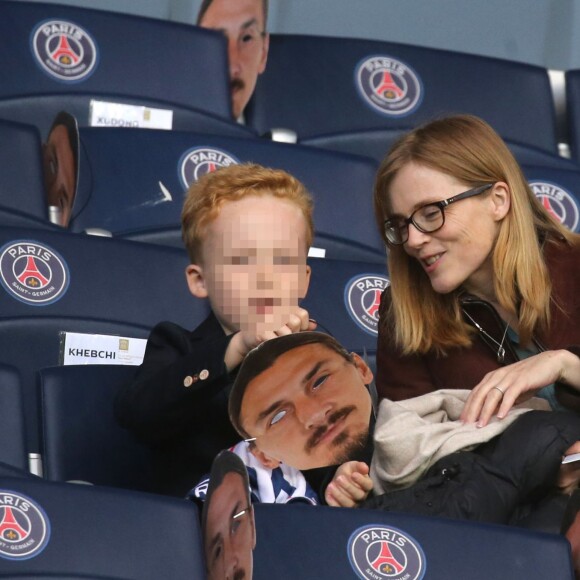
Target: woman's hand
column 503, row 388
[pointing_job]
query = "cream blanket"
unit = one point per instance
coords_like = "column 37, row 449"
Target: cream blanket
column 411, row 435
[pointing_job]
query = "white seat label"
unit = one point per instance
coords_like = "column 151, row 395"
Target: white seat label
column 81, row 349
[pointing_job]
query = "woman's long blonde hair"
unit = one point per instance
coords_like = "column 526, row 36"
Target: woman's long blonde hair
column 468, row 149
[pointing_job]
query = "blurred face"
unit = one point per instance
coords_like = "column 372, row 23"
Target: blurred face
column 59, row 172
column 458, row 254
column 311, row 408
column 229, row 535
column 242, row 23
column 254, row 264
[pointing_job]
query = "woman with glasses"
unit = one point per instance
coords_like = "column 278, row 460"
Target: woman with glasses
column 485, row 284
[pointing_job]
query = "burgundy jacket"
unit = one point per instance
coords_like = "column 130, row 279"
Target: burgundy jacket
column 401, row 377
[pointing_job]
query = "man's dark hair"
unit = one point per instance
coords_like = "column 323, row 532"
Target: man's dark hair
column 224, row 463
column 264, row 356
column 206, row 4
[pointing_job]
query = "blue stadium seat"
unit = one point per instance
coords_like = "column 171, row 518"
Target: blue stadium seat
column 16, row 218
column 359, row 543
column 52, row 282
column 530, row 155
column 51, row 51
column 7, row 470
column 63, row 530
column 81, row 439
column 377, row 142
column 12, row 430
column 334, row 90
column 559, row 191
column 21, row 183
column 40, row 111
column 343, row 297
column 133, row 184
column 573, row 111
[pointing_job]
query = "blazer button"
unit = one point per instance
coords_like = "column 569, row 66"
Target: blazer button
column 203, row 375
column 189, row 380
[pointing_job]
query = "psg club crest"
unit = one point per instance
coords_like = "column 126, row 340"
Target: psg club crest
column 24, row 527
column 377, row 552
column 33, row 273
column 362, row 297
column 64, row 51
column 201, row 160
column 388, row 86
column 560, row 203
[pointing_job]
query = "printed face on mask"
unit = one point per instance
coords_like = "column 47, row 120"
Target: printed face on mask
column 242, row 23
column 311, row 408
column 229, row 534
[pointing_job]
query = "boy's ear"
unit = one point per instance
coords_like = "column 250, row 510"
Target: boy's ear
column 196, row 280
column 304, row 288
column 363, row 368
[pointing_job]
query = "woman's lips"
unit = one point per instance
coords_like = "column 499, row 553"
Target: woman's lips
column 431, row 262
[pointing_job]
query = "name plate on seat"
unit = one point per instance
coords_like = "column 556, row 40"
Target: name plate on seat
column 316, row 252
column 77, row 348
column 106, row 114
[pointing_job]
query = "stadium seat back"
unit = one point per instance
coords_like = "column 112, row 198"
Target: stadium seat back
column 62, row 282
column 133, row 184
column 40, row 111
column 82, row 531
column 325, row 87
column 21, row 183
column 573, row 111
column 51, row 49
column 12, row 428
column 559, row 191
column 81, row 439
column 360, row 543
column 344, row 297
column 376, row 144
column 63, row 58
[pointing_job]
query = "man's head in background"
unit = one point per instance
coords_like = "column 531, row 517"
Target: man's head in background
column 304, row 400
column 228, row 527
column 243, row 22
column 60, row 165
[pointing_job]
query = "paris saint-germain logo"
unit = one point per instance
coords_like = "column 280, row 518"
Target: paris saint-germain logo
column 33, row 273
column 377, row 552
column 201, row 160
column 362, row 297
column 388, row 86
column 64, row 51
column 24, row 527
column 560, row 203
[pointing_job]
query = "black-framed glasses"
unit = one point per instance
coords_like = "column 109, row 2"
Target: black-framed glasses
column 427, row 219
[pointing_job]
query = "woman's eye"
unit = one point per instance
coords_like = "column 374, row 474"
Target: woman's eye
column 278, row 417
column 431, row 214
column 239, row 260
column 319, row 381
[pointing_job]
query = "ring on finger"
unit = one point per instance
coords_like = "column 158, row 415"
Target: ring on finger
column 500, row 390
